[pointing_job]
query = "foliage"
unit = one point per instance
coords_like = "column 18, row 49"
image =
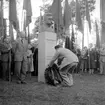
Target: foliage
column 91, row 4
column 46, row 7
column 36, row 28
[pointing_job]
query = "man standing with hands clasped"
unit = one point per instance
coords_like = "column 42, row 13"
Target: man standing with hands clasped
column 69, row 62
column 20, row 57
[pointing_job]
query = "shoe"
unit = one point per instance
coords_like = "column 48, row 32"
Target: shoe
column 23, row 82
column 65, row 85
column 18, row 82
column 7, row 79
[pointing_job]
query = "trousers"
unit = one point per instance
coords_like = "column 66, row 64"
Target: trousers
column 102, row 68
column 66, row 75
column 5, row 70
column 21, row 69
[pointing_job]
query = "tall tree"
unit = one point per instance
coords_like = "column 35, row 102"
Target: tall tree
column 5, row 28
column 11, row 32
column 28, row 8
column 102, row 8
column 67, row 15
column 97, row 35
column 28, row 15
column 78, row 17
column 1, row 19
column 56, row 11
column 91, row 5
column 88, row 15
column 13, row 14
column 72, row 39
column 68, row 43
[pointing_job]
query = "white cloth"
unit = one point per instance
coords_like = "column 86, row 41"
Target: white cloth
column 29, row 53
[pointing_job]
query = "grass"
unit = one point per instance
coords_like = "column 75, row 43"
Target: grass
column 87, row 90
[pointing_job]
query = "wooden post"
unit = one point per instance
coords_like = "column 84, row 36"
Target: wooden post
column 24, row 28
column 88, row 47
column 2, row 30
column 28, row 34
column 9, row 54
column 83, row 35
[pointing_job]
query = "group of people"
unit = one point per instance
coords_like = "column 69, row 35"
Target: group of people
column 20, row 51
column 17, row 55
column 91, row 59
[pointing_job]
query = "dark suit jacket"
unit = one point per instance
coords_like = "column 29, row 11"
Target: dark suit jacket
column 6, row 55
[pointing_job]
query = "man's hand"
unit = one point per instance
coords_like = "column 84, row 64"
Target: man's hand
column 48, row 66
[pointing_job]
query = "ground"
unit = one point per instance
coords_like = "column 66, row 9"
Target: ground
column 87, row 90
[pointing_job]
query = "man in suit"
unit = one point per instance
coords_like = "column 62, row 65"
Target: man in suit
column 69, row 62
column 102, row 59
column 6, row 58
column 20, row 58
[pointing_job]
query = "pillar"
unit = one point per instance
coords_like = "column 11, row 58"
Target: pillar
column 46, row 44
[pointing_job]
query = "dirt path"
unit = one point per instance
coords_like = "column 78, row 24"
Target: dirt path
column 87, row 90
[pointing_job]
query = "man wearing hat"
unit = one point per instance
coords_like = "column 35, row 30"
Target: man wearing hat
column 69, row 62
column 20, row 57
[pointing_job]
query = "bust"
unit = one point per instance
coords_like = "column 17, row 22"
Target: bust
column 48, row 23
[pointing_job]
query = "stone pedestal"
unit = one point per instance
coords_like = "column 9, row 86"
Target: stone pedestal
column 46, row 43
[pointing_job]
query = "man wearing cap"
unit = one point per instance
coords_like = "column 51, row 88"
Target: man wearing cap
column 20, row 57
column 69, row 62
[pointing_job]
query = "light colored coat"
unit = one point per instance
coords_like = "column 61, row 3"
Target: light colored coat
column 69, row 57
column 102, row 54
column 20, row 50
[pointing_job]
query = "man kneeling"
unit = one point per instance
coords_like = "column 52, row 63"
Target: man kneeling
column 69, row 62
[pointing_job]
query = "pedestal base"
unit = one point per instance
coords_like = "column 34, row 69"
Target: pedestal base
column 47, row 41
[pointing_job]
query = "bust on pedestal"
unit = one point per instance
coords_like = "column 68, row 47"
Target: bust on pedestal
column 46, row 43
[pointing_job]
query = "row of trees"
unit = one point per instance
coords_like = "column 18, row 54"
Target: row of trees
column 72, row 5
column 72, row 9
column 13, row 8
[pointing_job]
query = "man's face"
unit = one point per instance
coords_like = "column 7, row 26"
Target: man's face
column 56, row 49
column 22, row 34
column 6, row 40
column 90, row 45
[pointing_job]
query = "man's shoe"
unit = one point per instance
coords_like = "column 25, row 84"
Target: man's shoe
column 65, row 85
column 23, row 82
column 18, row 82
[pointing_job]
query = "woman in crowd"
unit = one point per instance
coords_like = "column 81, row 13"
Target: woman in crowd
column 83, row 59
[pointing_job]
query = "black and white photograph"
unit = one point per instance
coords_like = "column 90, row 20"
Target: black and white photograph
column 52, row 52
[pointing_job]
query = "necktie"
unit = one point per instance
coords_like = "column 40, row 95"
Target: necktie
column 22, row 40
